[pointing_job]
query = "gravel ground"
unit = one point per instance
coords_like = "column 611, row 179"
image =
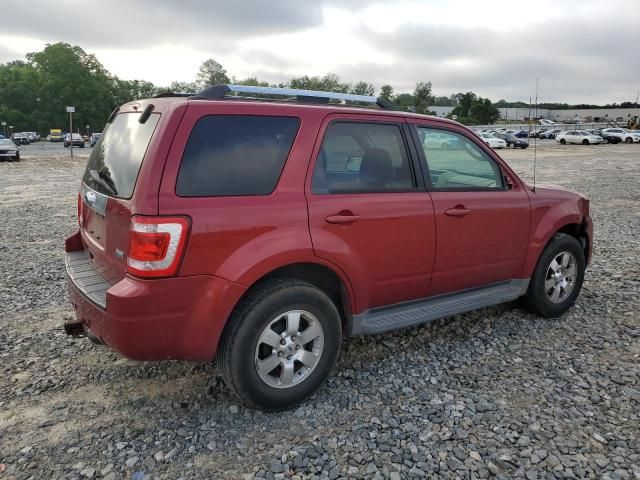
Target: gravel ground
column 496, row 392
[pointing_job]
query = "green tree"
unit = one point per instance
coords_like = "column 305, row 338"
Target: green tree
column 363, row 88
column 327, row 83
column 422, row 97
column 211, row 73
column 70, row 76
column 472, row 110
column 386, row 92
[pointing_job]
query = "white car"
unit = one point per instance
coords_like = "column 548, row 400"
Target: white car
column 578, row 136
column 623, row 134
column 493, row 142
column 9, row 150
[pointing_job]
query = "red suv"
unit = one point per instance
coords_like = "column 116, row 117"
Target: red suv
column 262, row 232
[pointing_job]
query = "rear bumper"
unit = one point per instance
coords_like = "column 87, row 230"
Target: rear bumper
column 178, row 318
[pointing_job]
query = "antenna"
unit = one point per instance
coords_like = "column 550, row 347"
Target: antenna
column 535, row 142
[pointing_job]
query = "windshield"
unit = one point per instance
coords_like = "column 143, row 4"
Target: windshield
column 6, row 143
column 116, row 159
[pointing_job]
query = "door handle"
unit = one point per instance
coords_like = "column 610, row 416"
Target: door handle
column 342, row 219
column 457, row 211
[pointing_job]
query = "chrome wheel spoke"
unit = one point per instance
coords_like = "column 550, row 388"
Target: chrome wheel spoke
column 293, row 323
column 308, row 358
column 570, row 272
column 554, row 265
column 555, row 293
column 565, row 259
column 549, row 283
column 286, row 376
column 267, row 365
column 270, row 338
column 312, row 332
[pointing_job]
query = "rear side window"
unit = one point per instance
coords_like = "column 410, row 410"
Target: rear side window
column 362, row 158
column 115, row 160
column 235, row 155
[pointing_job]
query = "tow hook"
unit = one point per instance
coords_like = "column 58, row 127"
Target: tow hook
column 78, row 329
column 75, row 329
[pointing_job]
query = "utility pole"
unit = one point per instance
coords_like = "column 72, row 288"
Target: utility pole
column 4, row 127
column 71, row 110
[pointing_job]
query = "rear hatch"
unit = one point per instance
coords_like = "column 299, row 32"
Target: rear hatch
column 105, row 204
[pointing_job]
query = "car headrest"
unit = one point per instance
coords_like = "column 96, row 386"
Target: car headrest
column 376, row 168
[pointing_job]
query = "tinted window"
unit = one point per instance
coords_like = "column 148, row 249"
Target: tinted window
column 235, row 155
column 455, row 162
column 115, row 160
column 362, row 157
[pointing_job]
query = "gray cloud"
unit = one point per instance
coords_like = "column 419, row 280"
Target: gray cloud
column 578, row 61
column 120, row 23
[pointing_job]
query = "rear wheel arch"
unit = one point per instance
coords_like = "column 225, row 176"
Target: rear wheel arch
column 333, row 284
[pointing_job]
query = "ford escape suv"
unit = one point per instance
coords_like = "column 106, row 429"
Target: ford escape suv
column 261, row 231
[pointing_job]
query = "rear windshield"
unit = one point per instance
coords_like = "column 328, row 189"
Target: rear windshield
column 115, row 160
column 235, row 155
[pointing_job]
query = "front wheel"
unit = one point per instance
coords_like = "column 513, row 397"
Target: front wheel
column 563, row 141
column 585, row 142
column 558, row 277
column 280, row 344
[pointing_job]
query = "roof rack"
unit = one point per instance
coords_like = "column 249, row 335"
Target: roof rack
column 220, row 92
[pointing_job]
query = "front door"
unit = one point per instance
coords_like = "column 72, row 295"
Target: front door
column 482, row 213
column 368, row 211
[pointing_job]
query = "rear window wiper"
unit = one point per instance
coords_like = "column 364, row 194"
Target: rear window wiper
column 104, row 182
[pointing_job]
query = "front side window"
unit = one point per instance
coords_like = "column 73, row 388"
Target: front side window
column 456, row 163
column 230, row 155
column 362, row 158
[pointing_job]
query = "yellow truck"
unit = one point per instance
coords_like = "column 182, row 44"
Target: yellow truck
column 55, row 135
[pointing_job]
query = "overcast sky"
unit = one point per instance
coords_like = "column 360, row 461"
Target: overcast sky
column 582, row 51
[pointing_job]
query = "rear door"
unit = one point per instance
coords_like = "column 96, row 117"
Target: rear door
column 368, row 211
column 107, row 189
column 482, row 212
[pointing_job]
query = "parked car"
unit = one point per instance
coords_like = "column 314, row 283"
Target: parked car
column 261, row 233
column 94, row 138
column 578, row 136
column 550, row 134
column 56, row 135
column 512, row 141
column 607, row 138
column 75, row 139
column 9, row 150
column 33, row 136
column 623, row 134
column 492, row 141
column 20, row 139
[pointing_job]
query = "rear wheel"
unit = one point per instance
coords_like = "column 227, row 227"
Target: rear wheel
column 558, row 277
column 281, row 344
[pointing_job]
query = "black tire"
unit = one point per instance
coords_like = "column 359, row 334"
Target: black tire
column 628, row 140
column 251, row 317
column 563, row 141
column 16, row 158
column 585, row 142
column 536, row 299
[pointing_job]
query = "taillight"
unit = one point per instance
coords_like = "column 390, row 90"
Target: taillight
column 156, row 245
column 79, row 209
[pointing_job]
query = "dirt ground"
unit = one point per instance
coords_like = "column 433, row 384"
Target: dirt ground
column 397, row 404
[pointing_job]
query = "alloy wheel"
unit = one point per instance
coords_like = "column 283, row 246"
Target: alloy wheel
column 561, row 277
column 289, row 349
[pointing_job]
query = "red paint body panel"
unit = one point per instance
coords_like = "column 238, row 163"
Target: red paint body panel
column 402, row 248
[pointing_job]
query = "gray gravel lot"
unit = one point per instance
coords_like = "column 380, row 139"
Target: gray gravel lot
column 497, row 392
